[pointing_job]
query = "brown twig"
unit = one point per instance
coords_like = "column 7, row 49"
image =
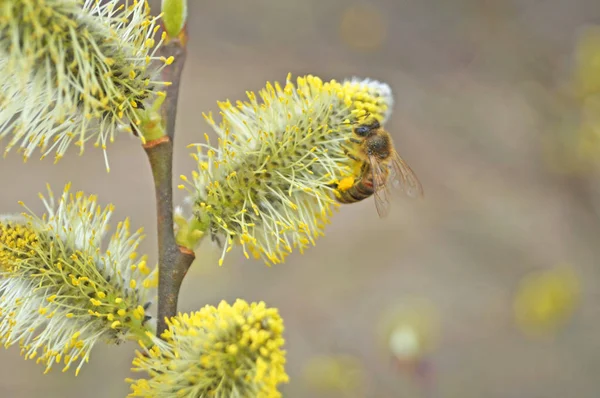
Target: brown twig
column 177, row 49
column 173, row 260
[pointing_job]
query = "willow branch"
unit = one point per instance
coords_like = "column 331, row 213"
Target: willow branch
column 177, row 49
column 173, row 260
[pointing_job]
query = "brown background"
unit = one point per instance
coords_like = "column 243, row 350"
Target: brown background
column 467, row 77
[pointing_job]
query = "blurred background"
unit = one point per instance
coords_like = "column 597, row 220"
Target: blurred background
column 488, row 287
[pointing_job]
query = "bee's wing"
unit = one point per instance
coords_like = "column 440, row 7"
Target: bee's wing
column 404, row 177
column 380, row 189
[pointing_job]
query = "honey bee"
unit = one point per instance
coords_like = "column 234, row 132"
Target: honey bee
column 381, row 166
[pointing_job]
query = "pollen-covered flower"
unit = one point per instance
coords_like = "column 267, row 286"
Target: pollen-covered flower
column 74, row 70
column 268, row 185
column 60, row 291
column 232, row 351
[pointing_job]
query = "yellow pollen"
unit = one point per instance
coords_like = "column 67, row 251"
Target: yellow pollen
column 346, row 183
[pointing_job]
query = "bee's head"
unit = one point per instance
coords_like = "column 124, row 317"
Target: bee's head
column 365, row 130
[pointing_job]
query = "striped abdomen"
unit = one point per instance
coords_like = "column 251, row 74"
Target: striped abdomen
column 361, row 190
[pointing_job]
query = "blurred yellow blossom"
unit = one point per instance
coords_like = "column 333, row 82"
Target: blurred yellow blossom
column 587, row 62
column 545, row 300
column 573, row 111
column 335, row 373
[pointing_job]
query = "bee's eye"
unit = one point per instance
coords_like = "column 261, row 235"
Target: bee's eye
column 362, row 131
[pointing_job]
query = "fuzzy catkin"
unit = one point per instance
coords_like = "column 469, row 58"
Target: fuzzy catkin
column 71, row 71
column 268, row 185
column 61, row 291
column 228, row 351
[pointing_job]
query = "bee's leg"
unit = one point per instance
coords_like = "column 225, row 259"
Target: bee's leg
column 134, row 129
column 363, row 168
column 214, row 236
column 350, row 155
column 355, row 140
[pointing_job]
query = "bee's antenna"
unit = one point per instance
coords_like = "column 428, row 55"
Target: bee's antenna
column 360, row 119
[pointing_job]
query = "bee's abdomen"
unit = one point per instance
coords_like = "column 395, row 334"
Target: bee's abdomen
column 359, row 191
